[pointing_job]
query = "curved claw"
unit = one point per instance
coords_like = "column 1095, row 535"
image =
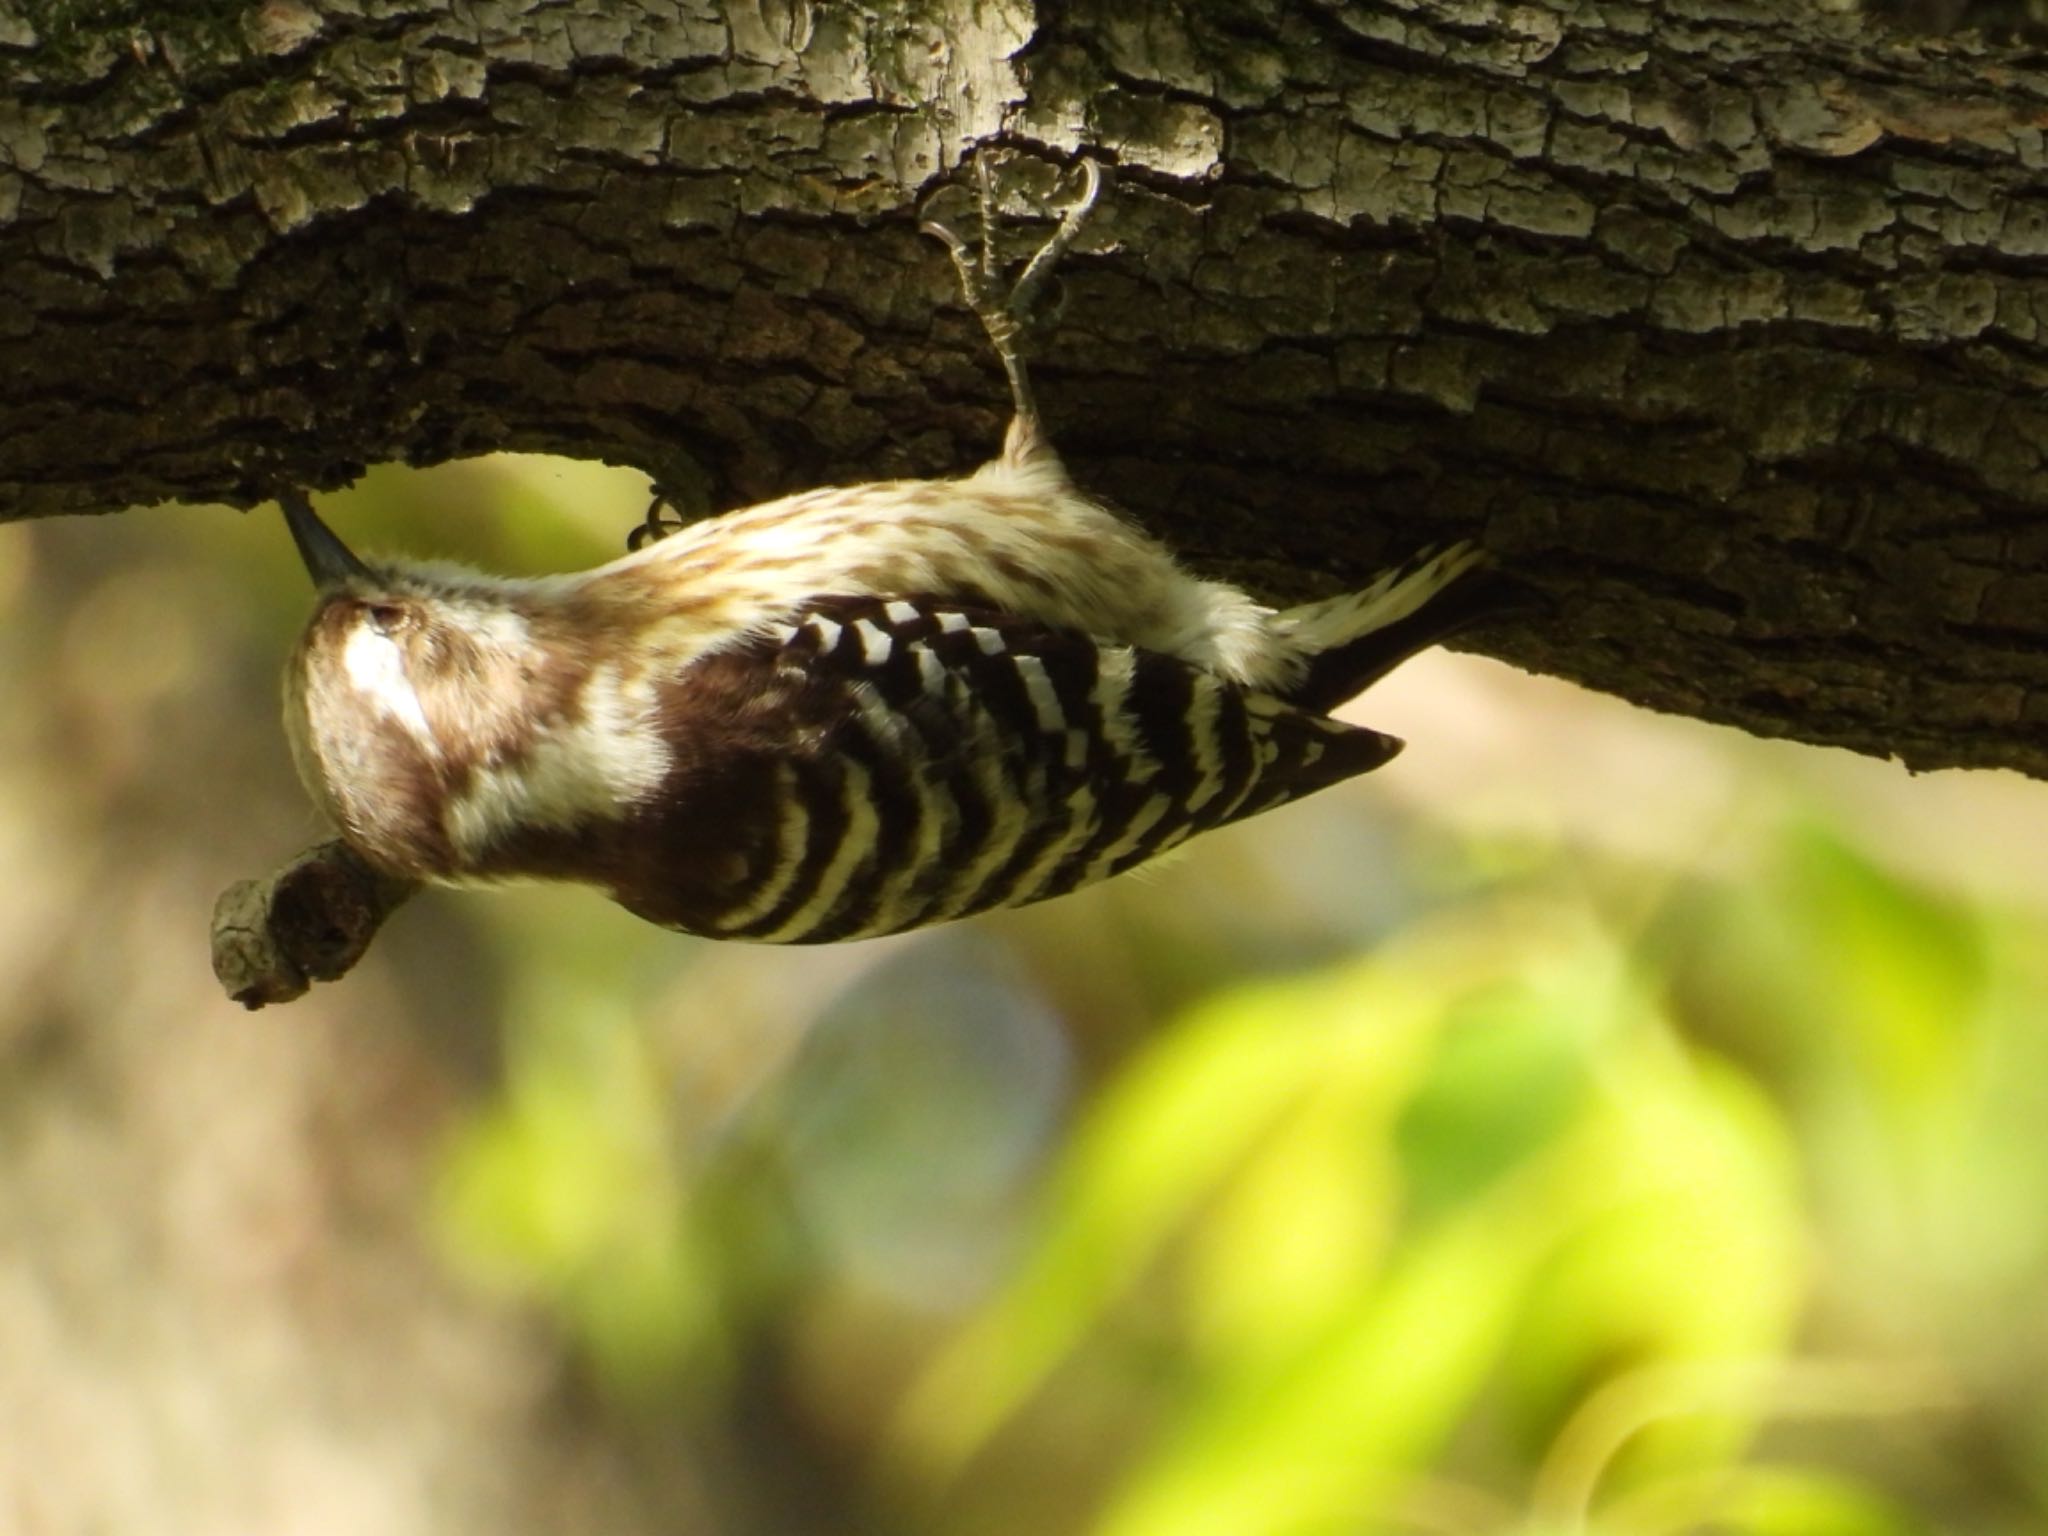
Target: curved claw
column 654, row 527
column 1025, row 291
column 1003, row 315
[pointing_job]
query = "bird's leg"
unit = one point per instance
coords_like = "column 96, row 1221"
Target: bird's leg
column 1004, row 314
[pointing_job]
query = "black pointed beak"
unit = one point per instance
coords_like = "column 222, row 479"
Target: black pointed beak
column 328, row 561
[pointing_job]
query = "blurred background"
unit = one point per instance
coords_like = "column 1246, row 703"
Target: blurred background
column 1594, row 1122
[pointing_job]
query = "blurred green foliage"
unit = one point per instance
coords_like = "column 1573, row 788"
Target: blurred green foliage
column 1532, row 1218
column 1366, row 1171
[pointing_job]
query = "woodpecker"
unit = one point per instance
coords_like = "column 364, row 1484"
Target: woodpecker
column 849, row 712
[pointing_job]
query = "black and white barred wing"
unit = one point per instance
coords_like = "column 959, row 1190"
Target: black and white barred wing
column 878, row 765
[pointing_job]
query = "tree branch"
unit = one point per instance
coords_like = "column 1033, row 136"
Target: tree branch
column 1722, row 324
column 311, row 921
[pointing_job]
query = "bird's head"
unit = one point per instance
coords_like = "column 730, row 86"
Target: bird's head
column 408, row 682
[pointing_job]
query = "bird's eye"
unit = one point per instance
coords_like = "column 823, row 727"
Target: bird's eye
column 385, row 618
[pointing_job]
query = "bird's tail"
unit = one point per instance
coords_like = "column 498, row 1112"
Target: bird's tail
column 1352, row 641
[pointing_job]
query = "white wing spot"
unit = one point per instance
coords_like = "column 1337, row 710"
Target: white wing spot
column 1204, row 709
column 875, row 643
column 1114, row 673
column 988, row 642
column 792, row 833
column 827, row 631
column 931, row 672
column 890, row 910
column 862, row 826
column 900, row 612
column 953, row 623
column 1045, row 699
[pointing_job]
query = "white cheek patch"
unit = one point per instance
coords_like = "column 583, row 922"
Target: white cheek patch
column 597, row 767
column 375, row 668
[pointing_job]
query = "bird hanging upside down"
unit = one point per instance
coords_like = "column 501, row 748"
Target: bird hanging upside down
column 846, row 713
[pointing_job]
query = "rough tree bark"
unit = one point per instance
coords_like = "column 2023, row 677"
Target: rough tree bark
column 1721, row 321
